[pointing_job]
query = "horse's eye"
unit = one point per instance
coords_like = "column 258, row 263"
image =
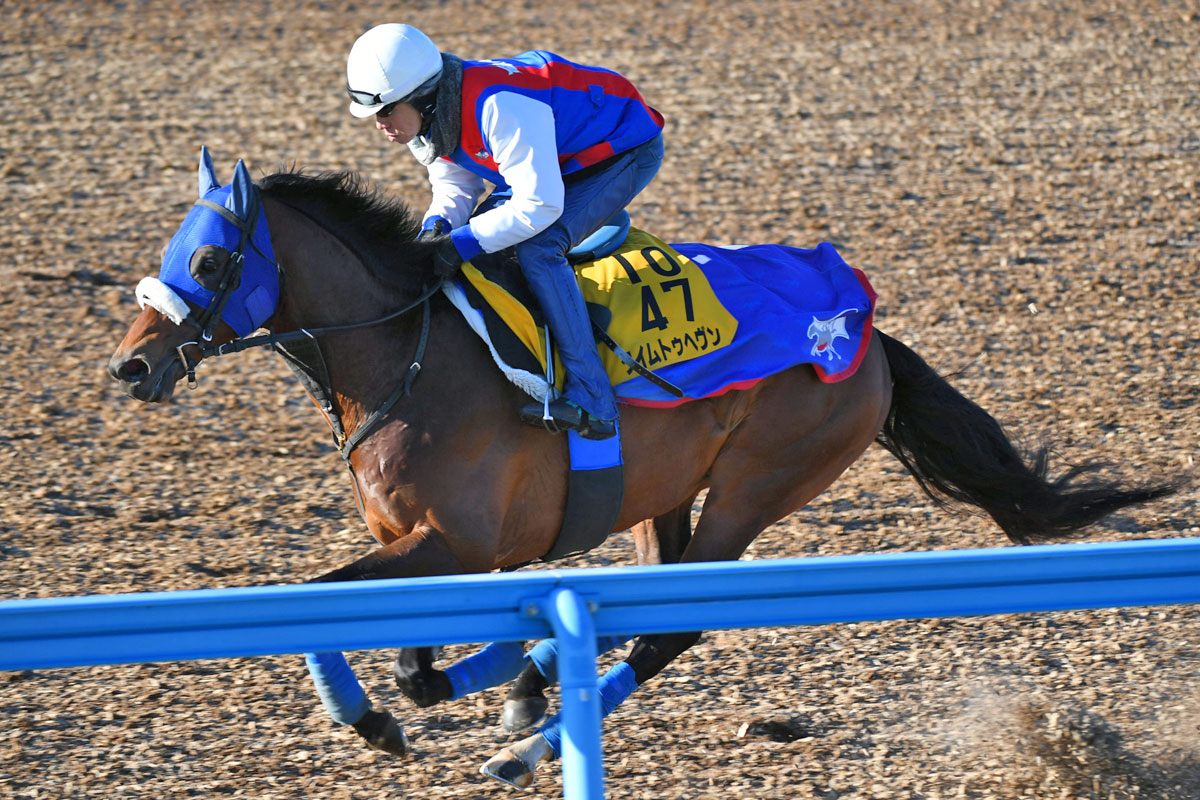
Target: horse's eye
column 209, row 264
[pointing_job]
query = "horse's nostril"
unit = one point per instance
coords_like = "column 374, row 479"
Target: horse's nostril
column 133, row 371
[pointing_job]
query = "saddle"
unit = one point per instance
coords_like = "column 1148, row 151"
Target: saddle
column 678, row 322
column 603, row 241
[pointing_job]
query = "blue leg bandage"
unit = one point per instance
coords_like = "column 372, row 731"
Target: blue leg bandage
column 544, row 654
column 337, row 687
column 615, row 686
column 495, row 664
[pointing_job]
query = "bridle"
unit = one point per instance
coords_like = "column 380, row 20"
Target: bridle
column 207, row 320
column 229, row 280
column 345, row 443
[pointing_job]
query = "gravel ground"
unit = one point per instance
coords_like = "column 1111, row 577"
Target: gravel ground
column 1019, row 180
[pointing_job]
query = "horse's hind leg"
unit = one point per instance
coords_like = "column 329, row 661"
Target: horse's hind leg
column 515, row 765
column 663, row 539
column 658, row 541
column 766, row 471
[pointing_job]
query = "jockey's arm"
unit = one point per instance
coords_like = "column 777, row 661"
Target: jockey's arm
column 456, row 191
column 520, row 134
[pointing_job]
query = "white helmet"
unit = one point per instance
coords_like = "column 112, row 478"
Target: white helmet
column 388, row 63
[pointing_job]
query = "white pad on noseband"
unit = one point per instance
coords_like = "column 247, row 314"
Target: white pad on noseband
column 156, row 294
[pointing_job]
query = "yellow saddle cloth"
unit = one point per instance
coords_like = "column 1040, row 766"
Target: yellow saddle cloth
column 655, row 302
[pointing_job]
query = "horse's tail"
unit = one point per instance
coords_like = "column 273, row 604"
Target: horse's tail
column 958, row 452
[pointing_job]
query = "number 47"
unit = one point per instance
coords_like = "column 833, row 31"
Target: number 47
column 652, row 315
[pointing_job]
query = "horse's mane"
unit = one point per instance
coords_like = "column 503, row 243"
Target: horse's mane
column 379, row 228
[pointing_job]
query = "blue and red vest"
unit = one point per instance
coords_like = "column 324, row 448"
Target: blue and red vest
column 597, row 112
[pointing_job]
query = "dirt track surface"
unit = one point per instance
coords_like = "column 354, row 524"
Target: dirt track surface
column 1019, row 180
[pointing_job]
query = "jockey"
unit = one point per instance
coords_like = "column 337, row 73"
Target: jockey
column 567, row 146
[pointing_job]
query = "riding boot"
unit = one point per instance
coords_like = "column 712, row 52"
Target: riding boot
column 563, row 415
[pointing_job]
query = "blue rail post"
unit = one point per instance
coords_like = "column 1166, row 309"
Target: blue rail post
column 582, row 757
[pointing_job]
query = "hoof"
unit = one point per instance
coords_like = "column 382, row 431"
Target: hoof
column 521, row 715
column 515, row 765
column 426, row 689
column 380, row 731
column 507, row 768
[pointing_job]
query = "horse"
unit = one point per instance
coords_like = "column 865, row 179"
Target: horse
column 449, row 481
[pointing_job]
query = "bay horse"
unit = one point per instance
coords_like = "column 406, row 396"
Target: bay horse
column 449, row 481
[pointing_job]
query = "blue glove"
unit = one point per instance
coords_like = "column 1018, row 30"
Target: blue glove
column 435, row 226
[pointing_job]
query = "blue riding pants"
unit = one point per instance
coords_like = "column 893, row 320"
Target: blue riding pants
column 588, row 204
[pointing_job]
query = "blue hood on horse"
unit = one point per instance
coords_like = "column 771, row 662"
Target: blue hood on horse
column 231, row 217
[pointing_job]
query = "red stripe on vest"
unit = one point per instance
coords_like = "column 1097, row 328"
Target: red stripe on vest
column 557, row 74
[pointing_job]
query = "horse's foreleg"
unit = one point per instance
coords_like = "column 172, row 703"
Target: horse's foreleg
column 417, row 679
column 347, row 703
column 658, row 541
column 526, row 703
column 422, row 552
column 419, row 554
column 495, row 664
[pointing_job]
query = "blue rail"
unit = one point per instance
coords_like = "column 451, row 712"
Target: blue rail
column 578, row 605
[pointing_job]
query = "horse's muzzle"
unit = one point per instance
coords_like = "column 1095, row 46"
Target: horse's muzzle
column 142, row 382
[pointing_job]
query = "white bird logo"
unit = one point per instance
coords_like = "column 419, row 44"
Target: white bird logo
column 825, row 332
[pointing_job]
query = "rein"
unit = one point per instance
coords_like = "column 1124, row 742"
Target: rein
column 346, row 444
column 270, row 339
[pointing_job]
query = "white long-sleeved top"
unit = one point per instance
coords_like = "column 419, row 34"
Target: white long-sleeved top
column 520, row 134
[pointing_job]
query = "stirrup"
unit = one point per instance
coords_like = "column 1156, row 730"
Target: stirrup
column 560, row 415
column 557, row 416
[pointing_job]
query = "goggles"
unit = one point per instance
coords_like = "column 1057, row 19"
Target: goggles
column 364, row 98
column 423, row 98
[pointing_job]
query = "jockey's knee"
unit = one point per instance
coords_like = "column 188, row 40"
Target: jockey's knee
column 544, row 251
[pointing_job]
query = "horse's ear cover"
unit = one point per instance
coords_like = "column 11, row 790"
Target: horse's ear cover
column 208, row 175
column 241, row 197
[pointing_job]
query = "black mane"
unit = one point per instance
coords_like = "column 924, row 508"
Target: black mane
column 380, row 229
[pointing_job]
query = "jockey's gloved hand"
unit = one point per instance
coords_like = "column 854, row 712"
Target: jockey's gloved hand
column 446, row 258
column 438, row 227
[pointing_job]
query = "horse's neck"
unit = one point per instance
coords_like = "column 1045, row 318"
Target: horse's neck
column 325, row 284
